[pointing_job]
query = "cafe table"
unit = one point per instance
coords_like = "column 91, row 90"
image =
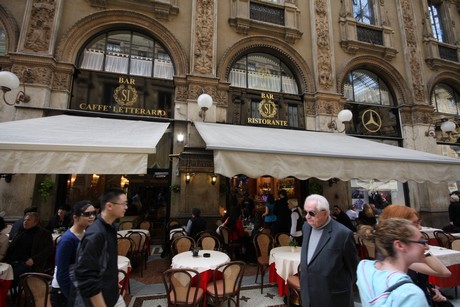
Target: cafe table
column 124, row 265
column 205, row 266
column 6, row 278
column 451, row 259
column 283, row 262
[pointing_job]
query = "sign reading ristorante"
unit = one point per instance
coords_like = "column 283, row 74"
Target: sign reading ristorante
column 268, row 111
column 124, row 95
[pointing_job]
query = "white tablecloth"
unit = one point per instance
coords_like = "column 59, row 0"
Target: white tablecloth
column 456, row 235
column 200, row 263
column 286, row 261
column 6, row 271
column 447, row 256
column 123, row 264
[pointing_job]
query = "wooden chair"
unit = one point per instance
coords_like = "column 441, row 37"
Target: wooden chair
column 229, row 245
column 444, row 239
column 263, row 243
column 208, row 242
column 179, row 290
column 228, row 287
column 126, row 225
column 182, row 244
column 282, row 239
column 456, row 244
column 138, row 249
column 36, row 289
column 125, row 246
column 425, row 235
column 146, row 225
column 293, row 283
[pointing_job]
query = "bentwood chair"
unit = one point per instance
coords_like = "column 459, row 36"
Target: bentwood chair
column 456, row 245
column 263, row 243
column 230, row 246
column 282, row 239
column 179, row 289
column 36, row 288
column 126, row 225
column 125, row 246
column 138, row 249
column 228, row 287
column 444, row 239
column 208, row 242
column 182, row 244
column 293, row 283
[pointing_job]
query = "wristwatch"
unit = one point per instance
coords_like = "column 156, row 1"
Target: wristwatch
column 427, row 254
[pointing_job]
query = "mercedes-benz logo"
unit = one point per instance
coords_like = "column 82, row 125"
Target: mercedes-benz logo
column 371, row 120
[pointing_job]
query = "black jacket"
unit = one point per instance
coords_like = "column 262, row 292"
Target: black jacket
column 96, row 268
column 454, row 213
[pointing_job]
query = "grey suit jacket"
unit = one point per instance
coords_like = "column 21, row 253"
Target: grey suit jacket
column 328, row 279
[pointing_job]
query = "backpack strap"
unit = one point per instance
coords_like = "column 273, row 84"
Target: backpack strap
column 396, row 285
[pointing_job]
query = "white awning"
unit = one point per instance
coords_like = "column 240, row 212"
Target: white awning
column 256, row 151
column 67, row 144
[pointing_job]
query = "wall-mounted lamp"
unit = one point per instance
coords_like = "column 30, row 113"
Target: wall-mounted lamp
column 431, row 132
column 213, row 179
column 450, row 129
column 94, row 179
column 8, row 82
column 204, row 102
column 7, row 177
column 187, row 178
column 124, row 182
column 180, row 138
column 344, row 117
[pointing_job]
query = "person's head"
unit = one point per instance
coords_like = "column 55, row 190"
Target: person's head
column 337, row 210
column 196, row 212
column 83, row 213
column 115, row 201
column 317, row 209
column 368, row 211
column 62, row 211
column 292, row 203
column 454, row 198
column 30, row 209
column 270, row 199
column 2, row 223
column 283, row 193
column 399, row 237
column 402, row 212
column 31, row 219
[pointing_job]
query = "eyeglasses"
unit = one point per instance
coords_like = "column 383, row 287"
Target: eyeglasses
column 422, row 242
column 123, row 204
column 313, row 213
column 89, row 213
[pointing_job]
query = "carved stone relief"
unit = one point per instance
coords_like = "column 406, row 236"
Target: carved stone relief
column 35, row 75
column 325, row 79
column 204, row 35
column 181, row 93
column 61, row 81
column 414, row 54
column 40, row 25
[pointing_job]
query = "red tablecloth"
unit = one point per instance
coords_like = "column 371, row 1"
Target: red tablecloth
column 206, row 277
column 448, row 282
column 4, row 286
column 273, row 277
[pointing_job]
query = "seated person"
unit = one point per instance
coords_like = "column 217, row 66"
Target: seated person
column 60, row 220
column 3, row 238
column 17, row 226
column 342, row 218
column 30, row 249
column 196, row 224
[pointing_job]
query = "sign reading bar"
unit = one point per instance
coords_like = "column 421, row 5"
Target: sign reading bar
column 268, row 111
column 124, row 99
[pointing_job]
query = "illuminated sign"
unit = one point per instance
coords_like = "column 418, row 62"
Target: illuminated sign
column 267, row 110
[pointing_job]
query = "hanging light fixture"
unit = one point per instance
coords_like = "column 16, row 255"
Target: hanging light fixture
column 344, row 117
column 204, row 102
column 8, row 82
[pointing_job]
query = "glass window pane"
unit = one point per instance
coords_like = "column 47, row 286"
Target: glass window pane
column 93, row 54
column 445, row 99
column 2, row 40
column 363, row 11
column 293, row 116
column 163, row 66
column 237, row 76
column 289, row 84
column 436, row 22
column 366, row 87
column 267, row 74
column 255, row 109
column 141, row 56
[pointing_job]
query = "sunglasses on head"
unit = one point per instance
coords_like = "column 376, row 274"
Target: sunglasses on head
column 88, row 214
column 313, row 213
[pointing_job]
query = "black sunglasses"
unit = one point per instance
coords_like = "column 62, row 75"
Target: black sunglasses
column 88, row 214
column 422, row 242
column 313, row 213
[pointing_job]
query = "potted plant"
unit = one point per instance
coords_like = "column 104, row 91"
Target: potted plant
column 293, row 245
column 45, row 189
column 175, row 188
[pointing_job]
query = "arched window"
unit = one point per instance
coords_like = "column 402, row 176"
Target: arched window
column 129, row 53
column 445, row 99
column 436, row 19
column 2, row 40
column 263, row 72
column 372, row 104
column 364, row 86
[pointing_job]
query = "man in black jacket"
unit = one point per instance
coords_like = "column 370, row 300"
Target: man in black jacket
column 96, row 270
column 454, row 214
